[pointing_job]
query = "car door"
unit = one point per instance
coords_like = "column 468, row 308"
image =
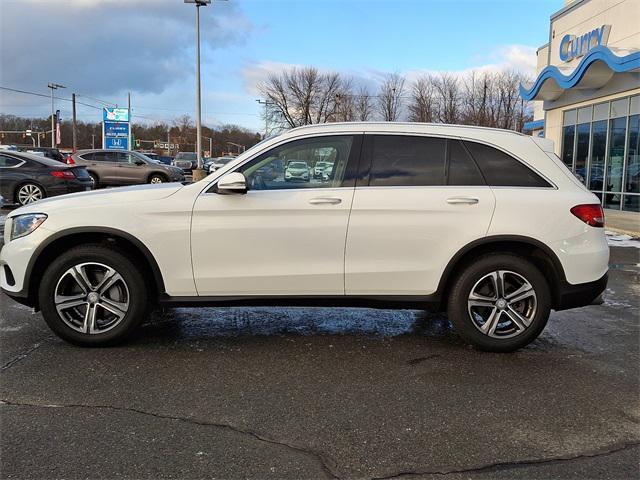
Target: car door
column 128, row 171
column 420, row 200
column 11, row 173
column 281, row 237
column 105, row 165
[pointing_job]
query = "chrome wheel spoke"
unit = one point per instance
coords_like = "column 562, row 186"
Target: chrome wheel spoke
column 80, row 277
column 64, row 303
column 521, row 321
column 525, row 291
column 482, row 303
column 117, row 308
column 89, row 324
column 110, row 277
column 489, row 327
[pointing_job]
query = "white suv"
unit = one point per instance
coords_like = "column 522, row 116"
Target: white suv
column 487, row 224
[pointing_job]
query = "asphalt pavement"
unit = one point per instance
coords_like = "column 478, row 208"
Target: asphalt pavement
column 326, row 393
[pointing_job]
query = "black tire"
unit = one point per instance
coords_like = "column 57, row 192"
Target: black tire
column 459, row 311
column 95, row 180
column 157, row 178
column 26, row 188
column 137, row 295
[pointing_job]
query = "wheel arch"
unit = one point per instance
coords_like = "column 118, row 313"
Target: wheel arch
column 125, row 242
column 159, row 173
column 531, row 249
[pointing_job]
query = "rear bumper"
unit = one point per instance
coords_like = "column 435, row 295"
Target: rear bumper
column 580, row 295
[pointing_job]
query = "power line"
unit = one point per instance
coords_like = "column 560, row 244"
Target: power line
column 47, row 96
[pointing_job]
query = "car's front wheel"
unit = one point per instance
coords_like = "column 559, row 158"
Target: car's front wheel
column 499, row 302
column 93, row 295
column 157, row 178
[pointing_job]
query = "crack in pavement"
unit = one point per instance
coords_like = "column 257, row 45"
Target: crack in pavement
column 322, row 459
column 517, row 463
column 24, row 355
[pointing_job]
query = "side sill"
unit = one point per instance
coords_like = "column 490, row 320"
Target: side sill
column 422, row 302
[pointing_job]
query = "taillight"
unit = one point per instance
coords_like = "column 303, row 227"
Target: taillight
column 66, row 174
column 591, row 214
column 70, row 160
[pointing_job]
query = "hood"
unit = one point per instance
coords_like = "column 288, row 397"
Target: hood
column 111, row 196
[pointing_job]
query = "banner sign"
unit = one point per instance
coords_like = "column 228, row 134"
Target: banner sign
column 113, row 129
column 115, row 114
column 113, row 143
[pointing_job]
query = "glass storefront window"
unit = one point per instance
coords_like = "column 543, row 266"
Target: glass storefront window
column 635, row 105
column 568, row 134
column 620, row 108
column 632, row 174
column 615, row 161
column 584, row 114
column 601, row 111
column 582, row 150
column 598, row 152
column 569, row 118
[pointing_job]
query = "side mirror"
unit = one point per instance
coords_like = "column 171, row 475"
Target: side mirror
column 232, row 183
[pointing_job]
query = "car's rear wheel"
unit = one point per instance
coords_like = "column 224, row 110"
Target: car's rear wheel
column 157, row 178
column 94, row 180
column 29, row 193
column 93, row 296
column 499, row 303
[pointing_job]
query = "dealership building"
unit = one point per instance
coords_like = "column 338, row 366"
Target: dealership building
column 587, row 96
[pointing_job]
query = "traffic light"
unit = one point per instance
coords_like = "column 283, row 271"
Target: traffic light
column 138, row 143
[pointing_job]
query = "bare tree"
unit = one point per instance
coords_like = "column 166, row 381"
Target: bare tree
column 363, row 104
column 447, row 92
column 301, row 97
column 390, row 97
column 422, row 101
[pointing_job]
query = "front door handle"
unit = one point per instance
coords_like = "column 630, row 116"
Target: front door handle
column 462, row 200
column 325, row 201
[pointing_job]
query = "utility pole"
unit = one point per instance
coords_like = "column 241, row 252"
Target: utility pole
column 74, row 125
column 93, row 141
column 266, row 104
column 53, row 86
column 198, row 174
column 130, row 124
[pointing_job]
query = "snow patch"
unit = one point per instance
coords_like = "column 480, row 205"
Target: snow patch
column 622, row 240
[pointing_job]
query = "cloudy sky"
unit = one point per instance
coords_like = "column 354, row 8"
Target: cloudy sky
column 102, row 49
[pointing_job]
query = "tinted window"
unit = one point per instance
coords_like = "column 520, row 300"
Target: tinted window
column 290, row 165
column 462, row 169
column 103, row 157
column 399, row 160
column 6, row 162
column 89, row 157
column 502, row 170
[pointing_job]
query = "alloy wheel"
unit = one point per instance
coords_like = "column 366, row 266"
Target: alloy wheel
column 156, row 180
column 92, row 298
column 502, row 304
column 29, row 193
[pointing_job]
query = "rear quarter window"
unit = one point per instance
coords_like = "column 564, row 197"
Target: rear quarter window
column 502, row 170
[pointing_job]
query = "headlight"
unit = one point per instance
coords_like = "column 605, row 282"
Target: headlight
column 23, row 225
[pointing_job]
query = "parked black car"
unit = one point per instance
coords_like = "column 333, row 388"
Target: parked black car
column 187, row 161
column 52, row 153
column 26, row 178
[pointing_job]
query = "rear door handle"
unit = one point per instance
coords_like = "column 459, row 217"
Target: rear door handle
column 462, row 200
column 325, row 201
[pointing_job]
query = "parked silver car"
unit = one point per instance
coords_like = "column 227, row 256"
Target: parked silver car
column 124, row 167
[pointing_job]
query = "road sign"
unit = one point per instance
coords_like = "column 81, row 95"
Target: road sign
column 116, row 130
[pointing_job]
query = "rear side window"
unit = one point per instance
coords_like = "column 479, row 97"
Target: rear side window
column 462, row 170
column 398, row 160
column 8, row 162
column 502, row 170
column 89, row 157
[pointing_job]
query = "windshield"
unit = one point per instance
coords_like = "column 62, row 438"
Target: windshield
column 186, row 156
column 143, row 157
column 297, row 165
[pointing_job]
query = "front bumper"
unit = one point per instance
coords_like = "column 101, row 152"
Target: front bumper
column 580, row 295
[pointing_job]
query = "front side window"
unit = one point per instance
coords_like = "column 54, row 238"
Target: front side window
column 293, row 165
column 399, row 160
column 502, row 170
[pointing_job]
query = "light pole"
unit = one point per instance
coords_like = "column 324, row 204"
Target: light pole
column 53, row 86
column 198, row 174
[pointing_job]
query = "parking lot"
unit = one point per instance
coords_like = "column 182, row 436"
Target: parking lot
column 315, row 393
